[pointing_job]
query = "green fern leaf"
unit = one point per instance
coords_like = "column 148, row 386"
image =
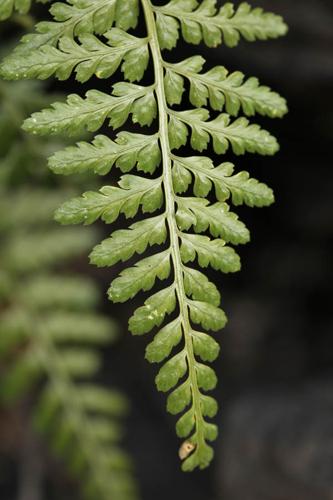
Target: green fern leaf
column 207, row 315
column 155, row 308
column 132, row 192
column 124, row 243
column 80, row 17
column 221, row 89
column 198, row 213
column 210, row 252
column 165, row 340
column 240, row 134
column 199, row 287
column 240, row 187
column 90, row 57
column 129, row 150
column 202, row 21
column 90, row 113
column 140, row 277
column 188, row 298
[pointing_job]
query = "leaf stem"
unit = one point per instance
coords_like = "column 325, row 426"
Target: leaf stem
column 170, row 201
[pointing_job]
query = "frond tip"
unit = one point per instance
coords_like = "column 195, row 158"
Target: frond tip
column 191, row 229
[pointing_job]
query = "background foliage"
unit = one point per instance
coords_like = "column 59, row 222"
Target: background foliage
column 51, row 331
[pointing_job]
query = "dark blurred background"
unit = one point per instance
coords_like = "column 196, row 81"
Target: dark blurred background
column 275, row 371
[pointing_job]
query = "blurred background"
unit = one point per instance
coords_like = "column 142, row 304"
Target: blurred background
column 275, row 371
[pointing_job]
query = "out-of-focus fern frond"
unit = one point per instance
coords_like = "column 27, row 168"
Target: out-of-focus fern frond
column 9, row 7
column 50, row 332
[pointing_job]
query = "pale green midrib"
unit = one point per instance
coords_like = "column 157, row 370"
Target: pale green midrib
column 220, row 22
column 59, row 380
column 170, row 214
column 253, row 94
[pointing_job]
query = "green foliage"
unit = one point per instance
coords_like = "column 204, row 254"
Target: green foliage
column 223, row 90
column 89, row 57
column 79, row 17
column 178, row 186
column 7, row 7
column 128, row 151
column 50, row 328
column 203, row 21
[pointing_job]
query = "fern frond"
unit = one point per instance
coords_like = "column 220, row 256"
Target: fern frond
column 187, row 304
column 79, row 419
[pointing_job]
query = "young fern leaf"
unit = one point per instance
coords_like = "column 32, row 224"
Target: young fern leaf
column 189, row 304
